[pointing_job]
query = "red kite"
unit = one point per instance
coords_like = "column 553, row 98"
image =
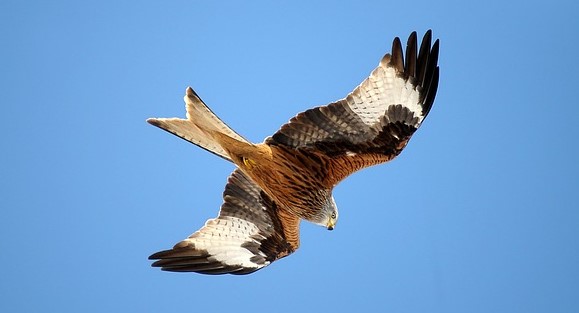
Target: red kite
column 291, row 175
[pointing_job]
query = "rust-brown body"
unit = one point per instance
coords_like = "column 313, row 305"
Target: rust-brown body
column 298, row 180
column 294, row 179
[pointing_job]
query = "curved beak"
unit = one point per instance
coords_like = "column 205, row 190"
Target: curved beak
column 331, row 225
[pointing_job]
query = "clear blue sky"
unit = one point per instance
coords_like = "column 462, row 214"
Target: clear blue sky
column 478, row 214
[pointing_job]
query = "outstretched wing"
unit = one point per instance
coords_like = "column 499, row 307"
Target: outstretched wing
column 248, row 234
column 375, row 121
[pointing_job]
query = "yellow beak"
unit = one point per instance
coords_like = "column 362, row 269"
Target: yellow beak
column 331, row 224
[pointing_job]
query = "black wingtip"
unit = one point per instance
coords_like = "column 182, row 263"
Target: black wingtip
column 187, row 260
column 410, row 62
column 428, row 71
column 397, row 59
column 154, row 256
column 431, row 93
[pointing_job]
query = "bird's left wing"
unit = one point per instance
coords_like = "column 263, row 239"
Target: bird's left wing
column 249, row 233
column 375, row 121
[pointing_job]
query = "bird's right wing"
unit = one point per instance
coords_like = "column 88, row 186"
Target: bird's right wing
column 374, row 122
column 249, row 233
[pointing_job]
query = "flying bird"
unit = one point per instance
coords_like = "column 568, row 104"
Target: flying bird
column 290, row 176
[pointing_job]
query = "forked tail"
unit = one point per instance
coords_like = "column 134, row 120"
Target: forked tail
column 199, row 127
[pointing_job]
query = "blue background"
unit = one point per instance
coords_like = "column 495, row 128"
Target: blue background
column 478, row 214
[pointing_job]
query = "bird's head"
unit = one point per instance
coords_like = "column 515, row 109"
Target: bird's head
column 329, row 214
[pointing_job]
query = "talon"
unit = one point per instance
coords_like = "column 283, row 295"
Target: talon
column 249, row 163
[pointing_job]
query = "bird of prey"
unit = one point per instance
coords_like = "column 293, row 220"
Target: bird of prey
column 290, row 176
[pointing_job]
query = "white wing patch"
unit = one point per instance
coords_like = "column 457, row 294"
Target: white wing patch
column 380, row 91
column 223, row 239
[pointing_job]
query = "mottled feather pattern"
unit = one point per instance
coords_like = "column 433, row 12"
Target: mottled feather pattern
column 378, row 117
column 246, row 235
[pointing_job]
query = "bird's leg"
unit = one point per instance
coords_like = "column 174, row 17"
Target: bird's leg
column 248, row 162
column 245, row 155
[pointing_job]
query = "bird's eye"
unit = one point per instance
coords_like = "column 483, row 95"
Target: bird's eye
column 333, row 215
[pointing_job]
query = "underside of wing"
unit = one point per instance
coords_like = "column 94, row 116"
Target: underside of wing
column 247, row 235
column 376, row 120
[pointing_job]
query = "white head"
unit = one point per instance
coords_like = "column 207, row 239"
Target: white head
column 328, row 216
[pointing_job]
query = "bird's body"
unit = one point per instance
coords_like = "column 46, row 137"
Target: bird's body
column 291, row 175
